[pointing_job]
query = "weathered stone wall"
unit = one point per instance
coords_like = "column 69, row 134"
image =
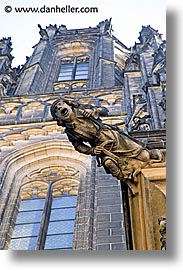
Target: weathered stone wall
column 109, row 231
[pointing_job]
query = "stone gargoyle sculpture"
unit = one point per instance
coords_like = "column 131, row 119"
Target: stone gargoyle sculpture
column 119, row 154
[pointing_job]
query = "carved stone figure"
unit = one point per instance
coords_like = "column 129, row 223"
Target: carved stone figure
column 117, row 152
column 140, row 119
column 106, row 26
column 43, row 33
column 133, row 62
column 5, row 46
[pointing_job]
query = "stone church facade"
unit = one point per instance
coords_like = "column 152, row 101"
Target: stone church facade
column 53, row 197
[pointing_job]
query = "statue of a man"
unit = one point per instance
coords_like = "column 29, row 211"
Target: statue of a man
column 117, row 152
column 43, row 33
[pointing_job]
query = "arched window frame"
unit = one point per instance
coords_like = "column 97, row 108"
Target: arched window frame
column 54, row 189
column 74, row 68
column 15, row 168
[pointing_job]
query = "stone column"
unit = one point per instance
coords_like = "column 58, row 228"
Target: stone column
column 127, row 96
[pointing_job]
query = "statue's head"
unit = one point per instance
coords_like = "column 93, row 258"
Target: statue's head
column 61, row 111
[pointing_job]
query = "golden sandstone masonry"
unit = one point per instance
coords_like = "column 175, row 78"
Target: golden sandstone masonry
column 51, row 195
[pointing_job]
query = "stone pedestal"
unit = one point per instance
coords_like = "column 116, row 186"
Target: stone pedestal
column 147, row 207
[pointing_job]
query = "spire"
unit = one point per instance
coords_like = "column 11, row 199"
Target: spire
column 5, row 47
column 7, row 74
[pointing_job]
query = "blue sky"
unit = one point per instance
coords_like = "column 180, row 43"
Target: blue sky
column 128, row 16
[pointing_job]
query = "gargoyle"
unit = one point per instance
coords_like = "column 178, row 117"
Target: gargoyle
column 119, row 154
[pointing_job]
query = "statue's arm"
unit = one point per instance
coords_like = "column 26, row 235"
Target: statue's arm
column 89, row 110
column 102, row 111
column 80, row 146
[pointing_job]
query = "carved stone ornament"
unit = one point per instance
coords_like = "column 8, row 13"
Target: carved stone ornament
column 162, row 224
column 119, row 154
column 162, row 103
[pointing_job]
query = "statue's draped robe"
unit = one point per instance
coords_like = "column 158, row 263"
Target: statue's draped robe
column 90, row 130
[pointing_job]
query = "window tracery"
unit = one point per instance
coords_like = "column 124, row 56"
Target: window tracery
column 47, row 210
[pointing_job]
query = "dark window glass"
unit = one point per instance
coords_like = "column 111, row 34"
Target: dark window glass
column 26, row 230
column 27, row 225
column 73, row 71
column 59, row 242
column 23, row 243
column 65, row 72
column 32, row 204
column 61, row 225
column 58, row 227
column 65, row 201
column 82, row 71
column 59, row 233
column 28, row 217
column 64, row 214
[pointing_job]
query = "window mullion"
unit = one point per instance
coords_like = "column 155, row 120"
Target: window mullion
column 74, row 68
column 45, row 220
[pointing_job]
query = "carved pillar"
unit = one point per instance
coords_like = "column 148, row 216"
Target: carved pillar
column 104, row 62
column 127, row 96
column 154, row 109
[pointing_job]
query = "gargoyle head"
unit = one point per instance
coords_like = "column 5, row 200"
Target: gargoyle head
column 61, row 111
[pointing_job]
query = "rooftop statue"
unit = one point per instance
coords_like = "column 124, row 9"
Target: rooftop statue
column 43, row 33
column 5, row 46
column 119, row 154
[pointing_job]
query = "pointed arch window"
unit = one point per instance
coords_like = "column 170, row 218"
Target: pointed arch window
column 74, row 68
column 46, row 216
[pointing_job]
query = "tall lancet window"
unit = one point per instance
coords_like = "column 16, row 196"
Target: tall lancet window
column 26, row 231
column 61, row 223
column 46, row 216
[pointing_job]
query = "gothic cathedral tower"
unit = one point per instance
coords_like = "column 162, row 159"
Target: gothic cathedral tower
column 52, row 197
